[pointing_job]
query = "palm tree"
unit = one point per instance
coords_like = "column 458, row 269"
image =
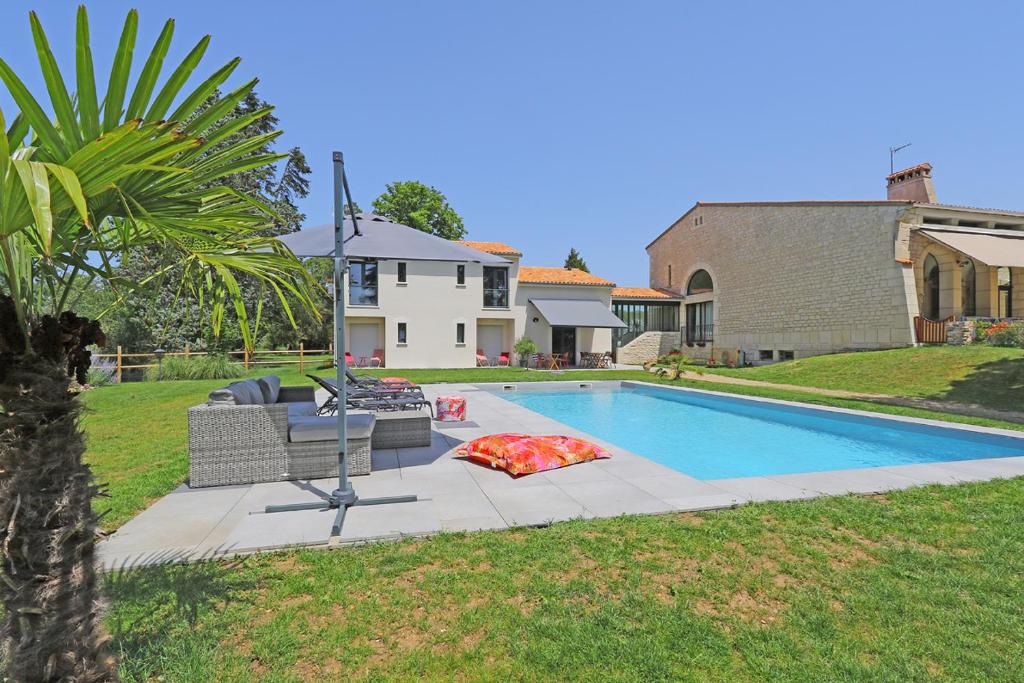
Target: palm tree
column 77, row 190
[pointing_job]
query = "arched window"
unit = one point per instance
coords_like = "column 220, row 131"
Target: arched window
column 1005, row 282
column 931, row 288
column 700, row 283
column 968, row 278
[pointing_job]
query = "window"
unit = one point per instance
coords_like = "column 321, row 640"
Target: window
column 700, row 283
column 495, row 287
column 362, row 283
column 460, row 274
column 1005, row 282
column 766, row 354
column 401, row 273
column 670, row 275
column 460, row 333
column 643, row 317
column 930, row 305
column 786, row 355
column 402, row 336
column 968, row 282
column 700, row 323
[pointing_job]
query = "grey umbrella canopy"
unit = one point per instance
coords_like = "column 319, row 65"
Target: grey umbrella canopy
column 382, row 239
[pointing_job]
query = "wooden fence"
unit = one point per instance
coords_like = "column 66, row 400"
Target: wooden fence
column 931, row 331
column 301, row 357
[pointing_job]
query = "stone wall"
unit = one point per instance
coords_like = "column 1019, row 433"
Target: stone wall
column 960, row 332
column 811, row 278
column 648, row 346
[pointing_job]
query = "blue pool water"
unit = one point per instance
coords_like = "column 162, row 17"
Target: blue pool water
column 714, row 437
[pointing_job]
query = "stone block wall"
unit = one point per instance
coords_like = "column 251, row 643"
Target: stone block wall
column 960, row 332
column 648, row 346
column 806, row 277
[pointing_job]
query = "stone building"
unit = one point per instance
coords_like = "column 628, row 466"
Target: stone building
column 766, row 281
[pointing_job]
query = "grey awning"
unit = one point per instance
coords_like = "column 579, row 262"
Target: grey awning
column 992, row 250
column 382, row 239
column 576, row 313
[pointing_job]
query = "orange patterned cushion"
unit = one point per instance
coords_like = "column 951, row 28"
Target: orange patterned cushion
column 524, row 454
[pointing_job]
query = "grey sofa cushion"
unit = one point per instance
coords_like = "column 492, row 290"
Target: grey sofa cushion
column 221, row 397
column 247, row 392
column 270, row 386
column 313, row 428
column 301, row 409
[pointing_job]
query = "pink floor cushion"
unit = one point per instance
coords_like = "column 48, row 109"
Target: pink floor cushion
column 450, row 409
column 524, row 454
column 395, row 380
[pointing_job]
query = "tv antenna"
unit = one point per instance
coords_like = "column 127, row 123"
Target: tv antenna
column 892, row 154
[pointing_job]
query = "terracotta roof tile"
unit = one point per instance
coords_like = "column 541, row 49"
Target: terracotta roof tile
column 496, row 248
column 542, row 275
column 642, row 293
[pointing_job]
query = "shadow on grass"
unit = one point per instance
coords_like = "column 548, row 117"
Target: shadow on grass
column 170, row 607
column 997, row 384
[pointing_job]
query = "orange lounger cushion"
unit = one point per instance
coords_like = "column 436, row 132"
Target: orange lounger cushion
column 524, row 454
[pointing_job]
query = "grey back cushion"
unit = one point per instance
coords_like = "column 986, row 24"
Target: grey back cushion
column 270, row 386
column 247, row 392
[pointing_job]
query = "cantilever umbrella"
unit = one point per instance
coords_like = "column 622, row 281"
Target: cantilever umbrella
column 333, row 241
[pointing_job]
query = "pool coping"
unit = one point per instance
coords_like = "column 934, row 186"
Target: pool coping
column 860, row 480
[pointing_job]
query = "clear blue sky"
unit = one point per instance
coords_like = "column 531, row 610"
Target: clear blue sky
column 596, row 124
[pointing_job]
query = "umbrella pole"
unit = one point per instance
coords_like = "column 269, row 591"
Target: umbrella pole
column 344, row 496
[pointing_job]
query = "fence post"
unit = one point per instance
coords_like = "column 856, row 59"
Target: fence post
column 188, row 350
column 301, row 350
column 245, row 358
column 119, row 364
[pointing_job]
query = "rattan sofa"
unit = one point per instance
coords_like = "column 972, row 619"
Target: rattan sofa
column 258, row 431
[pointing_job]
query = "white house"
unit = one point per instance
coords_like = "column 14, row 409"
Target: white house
column 419, row 301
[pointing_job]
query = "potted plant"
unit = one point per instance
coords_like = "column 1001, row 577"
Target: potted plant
column 524, row 348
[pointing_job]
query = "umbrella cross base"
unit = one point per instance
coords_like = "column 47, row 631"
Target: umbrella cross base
column 340, row 500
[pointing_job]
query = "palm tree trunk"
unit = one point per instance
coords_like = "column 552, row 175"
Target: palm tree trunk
column 50, row 627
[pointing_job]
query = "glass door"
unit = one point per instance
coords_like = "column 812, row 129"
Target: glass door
column 563, row 341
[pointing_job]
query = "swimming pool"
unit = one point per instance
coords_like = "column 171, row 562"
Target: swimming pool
column 710, row 436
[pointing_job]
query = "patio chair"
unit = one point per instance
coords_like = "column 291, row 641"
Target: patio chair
column 375, row 382
column 481, row 359
column 394, row 397
column 377, row 359
column 505, row 359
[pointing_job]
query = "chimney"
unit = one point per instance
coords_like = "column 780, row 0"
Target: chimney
column 912, row 184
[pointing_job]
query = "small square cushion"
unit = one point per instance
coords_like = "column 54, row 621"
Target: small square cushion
column 270, row 386
column 247, row 392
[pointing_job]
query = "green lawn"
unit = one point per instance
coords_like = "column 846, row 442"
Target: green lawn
column 920, row 585
column 138, row 435
column 985, row 375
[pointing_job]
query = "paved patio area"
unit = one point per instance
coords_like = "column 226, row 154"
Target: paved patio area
column 458, row 495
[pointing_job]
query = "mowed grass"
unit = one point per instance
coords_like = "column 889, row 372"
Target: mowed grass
column 978, row 374
column 919, row 585
column 138, row 431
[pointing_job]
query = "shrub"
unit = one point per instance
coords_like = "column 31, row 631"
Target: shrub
column 673, row 357
column 102, row 373
column 215, row 366
column 1006, row 334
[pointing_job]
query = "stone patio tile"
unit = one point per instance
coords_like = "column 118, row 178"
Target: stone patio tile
column 463, row 504
column 473, row 523
column 383, row 459
column 615, row 497
column 580, row 472
column 762, row 488
column 115, row 558
column 989, row 468
column 390, row 521
column 260, row 530
column 674, row 486
column 840, row 482
column 712, row 501
column 633, row 467
column 432, row 482
column 538, row 504
column 930, row 473
column 489, row 478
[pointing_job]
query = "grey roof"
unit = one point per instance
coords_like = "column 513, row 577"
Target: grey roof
column 577, row 313
column 382, row 239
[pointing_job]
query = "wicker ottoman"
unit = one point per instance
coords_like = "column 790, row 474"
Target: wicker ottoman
column 401, row 429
